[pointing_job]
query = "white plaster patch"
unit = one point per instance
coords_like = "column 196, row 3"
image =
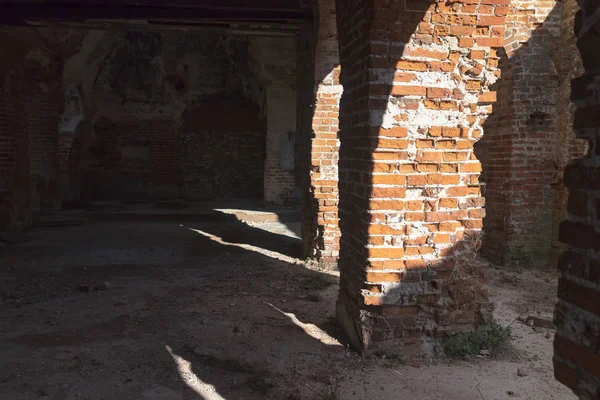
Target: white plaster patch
column 435, row 79
column 397, row 227
column 411, row 150
column 425, row 117
column 385, row 119
column 489, row 76
column 332, row 89
column 470, row 98
column 418, row 230
column 388, row 120
column 394, row 218
column 431, row 46
column 414, row 194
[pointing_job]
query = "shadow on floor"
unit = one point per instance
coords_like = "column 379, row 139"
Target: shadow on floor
column 232, row 232
column 164, row 311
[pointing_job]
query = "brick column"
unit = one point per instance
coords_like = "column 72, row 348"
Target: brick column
column 577, row 342
column 568, row 65
column 321, row 232
column 416, row 79
column 15, row 183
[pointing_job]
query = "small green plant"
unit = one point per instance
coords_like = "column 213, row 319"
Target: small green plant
column 330, row 394
column 495, row 338
column 318, row 282
column 315, row 298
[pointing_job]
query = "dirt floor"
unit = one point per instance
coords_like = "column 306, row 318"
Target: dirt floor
column 224, row 310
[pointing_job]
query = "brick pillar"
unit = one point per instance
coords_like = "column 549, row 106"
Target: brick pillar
column 568, row 147
column 416, row 79
column 15, row 184
column 577, row 342
column 320, row 228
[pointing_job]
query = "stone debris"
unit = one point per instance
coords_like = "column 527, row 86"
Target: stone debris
column 521, row 372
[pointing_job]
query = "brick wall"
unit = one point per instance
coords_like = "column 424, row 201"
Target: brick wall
column 521, row 170
column 528, row 138
column 222, row 156
column 416, row 80
column 15, row 204
column 133, row 160
column 8, row 140
column 210, row 155
column 42, row 120
column 24, row 79
column 153, row 76
column 576, row 345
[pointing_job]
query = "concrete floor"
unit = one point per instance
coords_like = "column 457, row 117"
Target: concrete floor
column 221, row 310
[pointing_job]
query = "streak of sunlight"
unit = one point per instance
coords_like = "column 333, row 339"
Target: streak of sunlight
column 248, row 247
column 312, row 330
column 184, row 368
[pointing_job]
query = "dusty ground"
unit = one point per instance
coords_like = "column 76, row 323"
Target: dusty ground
column 223, row 310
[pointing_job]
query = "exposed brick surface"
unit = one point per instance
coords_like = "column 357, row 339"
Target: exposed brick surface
column 321, row 228
column 209, row 156
column 15, row 192
column 577, row 351
column 133, row 160
column 526, row 143
column 222, row 156
column 568, row 65
column 392, row 253
column 8, row 140
column 494, row 151
column 25, row 110
column 41, row 118
column 419, row 82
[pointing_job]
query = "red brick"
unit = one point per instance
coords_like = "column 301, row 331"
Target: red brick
column 385, row 252
column 411, row 65
column 402, row 90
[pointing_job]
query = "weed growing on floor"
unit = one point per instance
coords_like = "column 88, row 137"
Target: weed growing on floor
column 494, row 339
column 315, row 298
column 318, row 282
column 329, row 394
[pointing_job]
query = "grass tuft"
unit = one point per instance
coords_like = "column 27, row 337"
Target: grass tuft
column 318, row 282
column 495, row 338
column 330, row 394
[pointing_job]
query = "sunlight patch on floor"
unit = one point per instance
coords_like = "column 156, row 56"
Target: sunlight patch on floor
column 273, row 226
column 249, row 247
column 312, row 330
column 184, row 368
